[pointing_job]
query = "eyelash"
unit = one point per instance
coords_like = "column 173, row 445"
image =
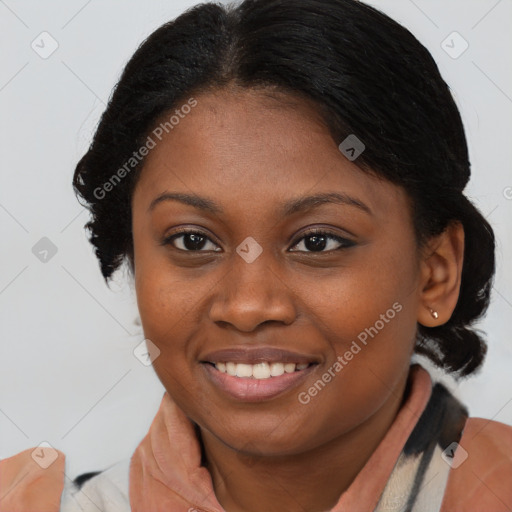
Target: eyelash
column 345, row 242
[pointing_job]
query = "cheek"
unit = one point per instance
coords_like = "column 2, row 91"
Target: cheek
column 374, row 297
column 368, row 318
column 162, row 296
column 170, row 307
column 167, row 317
column 162, row 304
column 165, row 308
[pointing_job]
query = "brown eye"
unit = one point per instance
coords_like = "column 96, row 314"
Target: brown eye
column 190, row 241
column 323, row 241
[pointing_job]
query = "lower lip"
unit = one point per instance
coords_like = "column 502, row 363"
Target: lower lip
column 255, row 390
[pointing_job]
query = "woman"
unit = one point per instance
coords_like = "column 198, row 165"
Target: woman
column 285, row 181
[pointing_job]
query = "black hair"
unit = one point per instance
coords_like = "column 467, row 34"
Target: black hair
column 367, row 74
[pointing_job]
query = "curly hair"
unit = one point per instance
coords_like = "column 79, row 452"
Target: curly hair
column 366, row 73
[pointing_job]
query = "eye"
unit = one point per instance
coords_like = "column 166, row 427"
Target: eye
column 313, row 241
column 190, row 241
column 317, row 240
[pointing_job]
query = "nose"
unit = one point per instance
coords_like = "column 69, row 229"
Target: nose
column 252, row 294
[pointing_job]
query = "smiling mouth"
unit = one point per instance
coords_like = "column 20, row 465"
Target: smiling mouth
column 258, row 371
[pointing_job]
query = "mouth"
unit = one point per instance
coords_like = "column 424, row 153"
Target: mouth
column 259, row 371
column 252, row 374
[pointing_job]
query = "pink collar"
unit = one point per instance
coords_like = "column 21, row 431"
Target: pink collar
column 165, row 470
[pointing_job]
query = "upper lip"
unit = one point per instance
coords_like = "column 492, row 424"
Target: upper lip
column 253, row 355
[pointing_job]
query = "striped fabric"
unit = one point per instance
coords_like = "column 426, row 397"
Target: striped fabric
column 419, row 478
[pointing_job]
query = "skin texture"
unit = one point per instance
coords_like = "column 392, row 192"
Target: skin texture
column 249, row 153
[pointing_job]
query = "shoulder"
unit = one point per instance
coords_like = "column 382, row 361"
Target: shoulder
column 35, row 479
column 32, row 479
column 481, row 475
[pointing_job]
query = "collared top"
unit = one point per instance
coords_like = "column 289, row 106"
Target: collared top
column 433, row 458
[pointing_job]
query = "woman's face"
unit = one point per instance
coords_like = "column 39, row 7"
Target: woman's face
column 251, row 279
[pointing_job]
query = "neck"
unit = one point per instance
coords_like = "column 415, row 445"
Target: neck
column 312, row 480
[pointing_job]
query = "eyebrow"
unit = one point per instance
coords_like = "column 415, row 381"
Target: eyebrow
column 301, row 204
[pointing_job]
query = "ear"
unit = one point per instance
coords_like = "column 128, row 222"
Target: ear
column 441, row 269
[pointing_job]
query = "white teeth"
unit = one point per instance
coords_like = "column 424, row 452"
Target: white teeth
column 289, row 367
column 243, row 370
column 230, row 369
column 259, row 370
column 276, row 369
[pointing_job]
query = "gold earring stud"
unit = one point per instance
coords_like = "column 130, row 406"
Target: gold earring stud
column 434, row 313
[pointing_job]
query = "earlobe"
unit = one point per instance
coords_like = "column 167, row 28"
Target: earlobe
column 441, row 271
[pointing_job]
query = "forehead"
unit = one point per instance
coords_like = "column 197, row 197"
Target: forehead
column 246, row 145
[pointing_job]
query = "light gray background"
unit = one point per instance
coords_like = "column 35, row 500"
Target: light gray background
column 68, row 375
